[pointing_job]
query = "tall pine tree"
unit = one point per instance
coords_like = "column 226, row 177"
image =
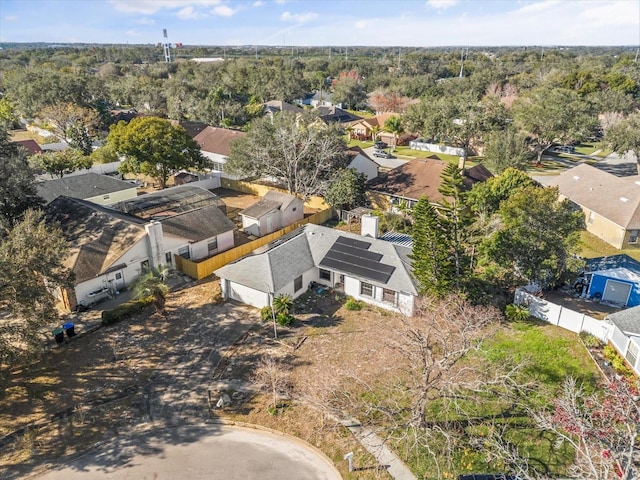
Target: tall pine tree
column 430, row 257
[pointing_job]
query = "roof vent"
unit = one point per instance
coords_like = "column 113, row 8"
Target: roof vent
column 624, row 199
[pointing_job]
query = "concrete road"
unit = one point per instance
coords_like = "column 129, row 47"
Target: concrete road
column 198, row 453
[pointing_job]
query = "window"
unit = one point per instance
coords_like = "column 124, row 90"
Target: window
column 118, row 276
column 294, row 209
column 325, row 275
column 632, row 353
column 184, row 252
column 366, row 289
column 218, row 166
column 168, row 258
column 212, row 246
column 591, row 217
column 297, row 284
column 389, row 296
column 633, row 236
column 144, row 265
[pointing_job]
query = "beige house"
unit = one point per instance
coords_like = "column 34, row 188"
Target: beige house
column 93, row 187
column 611, row 204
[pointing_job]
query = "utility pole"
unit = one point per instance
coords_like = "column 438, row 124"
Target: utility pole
column 256, row 52
column 461, row 63
column 346, row 54
column 399, row 48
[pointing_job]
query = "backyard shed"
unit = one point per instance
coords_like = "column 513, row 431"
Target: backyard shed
column 614, row 279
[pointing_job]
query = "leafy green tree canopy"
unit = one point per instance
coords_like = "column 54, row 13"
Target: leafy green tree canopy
column 348, row 190
column 61, row 163
column 485, row 197
column 153, row 146
column 624, row 136
column 537, row 237
column 506, row 148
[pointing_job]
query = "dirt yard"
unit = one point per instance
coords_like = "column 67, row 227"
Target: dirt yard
column 589, row 307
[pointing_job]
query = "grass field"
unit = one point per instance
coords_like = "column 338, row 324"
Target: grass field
column 592, row 247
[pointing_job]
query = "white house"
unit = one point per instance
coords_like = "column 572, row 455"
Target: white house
column 109, row 247
column 215, row 144
column 272, row 212
column 375, row 271
column 93, row 187
column 362, row 163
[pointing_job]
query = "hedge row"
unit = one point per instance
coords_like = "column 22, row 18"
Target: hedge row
column 125, row 310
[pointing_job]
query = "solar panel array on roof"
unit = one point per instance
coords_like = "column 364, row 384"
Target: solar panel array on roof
column 352, row 256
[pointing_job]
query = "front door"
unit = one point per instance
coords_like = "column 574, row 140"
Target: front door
column 269, row 222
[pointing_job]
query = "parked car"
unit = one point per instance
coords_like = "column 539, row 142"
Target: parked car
column 380, row 145
column 564, row 149
column 381, row 154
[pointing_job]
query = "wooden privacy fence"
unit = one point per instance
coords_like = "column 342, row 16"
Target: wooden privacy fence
column 260, row 190
column 206, row 267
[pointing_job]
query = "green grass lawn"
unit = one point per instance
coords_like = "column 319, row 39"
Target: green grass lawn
column 592, row 247
column 587, row 148
column 546, row 355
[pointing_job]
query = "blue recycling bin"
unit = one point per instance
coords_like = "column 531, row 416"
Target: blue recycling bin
column 69, row 329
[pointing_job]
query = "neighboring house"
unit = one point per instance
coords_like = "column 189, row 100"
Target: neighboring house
column 614, row 279
column 318, row 99
column 611, row 205
column 335, row 114
column 192, row 128
column 275, row 106
column 93, row 187
column 55, row 147
column 374, row 271
column 415, row 179
column 272, row 212
column 215, row 144
column 364, row 128
column 624, row 335
column 361, row 162
column 109, row 247
column 31, row 145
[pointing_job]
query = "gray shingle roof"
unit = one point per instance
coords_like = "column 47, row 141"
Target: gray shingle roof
column 626, row 320
column 199, row 224
column 614, row 198
column 98, row 236
column 271, row 201
column 81, row 186
column 305, row 248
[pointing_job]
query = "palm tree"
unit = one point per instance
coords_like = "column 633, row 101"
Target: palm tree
column 394, row 125
column 375, row 130
column 349, row 130
column 152, row 282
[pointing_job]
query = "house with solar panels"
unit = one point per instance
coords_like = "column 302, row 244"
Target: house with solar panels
column 370, row 269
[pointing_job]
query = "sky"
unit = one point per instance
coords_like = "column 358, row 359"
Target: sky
column 410, row 23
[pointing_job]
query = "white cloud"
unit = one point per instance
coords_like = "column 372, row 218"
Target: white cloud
column 223, row 11
column 10, row 18
column 188, row 13
column 281, row 2
column 298, row 17
column 132, row 33
column 148, row 7
column 146, row 21
column 361, row 24
column 441, row 4
column 258, row 3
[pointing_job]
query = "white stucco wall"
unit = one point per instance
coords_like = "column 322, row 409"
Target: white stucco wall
column 307, row 277
column 289, row 215
column 251, row 226
column 115, row 197
column 364, row 165
column 404, row 302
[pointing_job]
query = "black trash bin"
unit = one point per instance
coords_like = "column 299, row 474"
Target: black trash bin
column 58, row 334
column 69, row 329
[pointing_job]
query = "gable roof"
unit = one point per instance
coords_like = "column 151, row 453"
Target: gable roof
column 614, row 198
column 378, row 120
column 98, row 236
column 274, row 106
column 217, row 140
column 278, row 263
column 613, row 261
column 86, row 185
column 272, row 200
column 31, row 145
column 422, row 176
column 627, row 320
column 199, row 224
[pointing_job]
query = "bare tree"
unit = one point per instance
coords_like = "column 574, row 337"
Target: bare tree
column 273, row 376
column 601, row 428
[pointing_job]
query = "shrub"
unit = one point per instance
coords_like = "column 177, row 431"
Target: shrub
column 265, row 313
column 353, row 304
column 609, row 353
column 285, row 319
column 517, row 313
column 590, row 341
column 125, row 310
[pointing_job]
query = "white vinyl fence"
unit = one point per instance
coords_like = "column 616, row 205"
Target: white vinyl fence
column 562, row 317
column 434, row 147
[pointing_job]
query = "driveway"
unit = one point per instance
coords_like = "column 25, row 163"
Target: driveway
column 214, row 452
column 385, row 163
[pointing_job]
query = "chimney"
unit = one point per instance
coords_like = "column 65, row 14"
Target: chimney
column 369, row 226
column 156, row 243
